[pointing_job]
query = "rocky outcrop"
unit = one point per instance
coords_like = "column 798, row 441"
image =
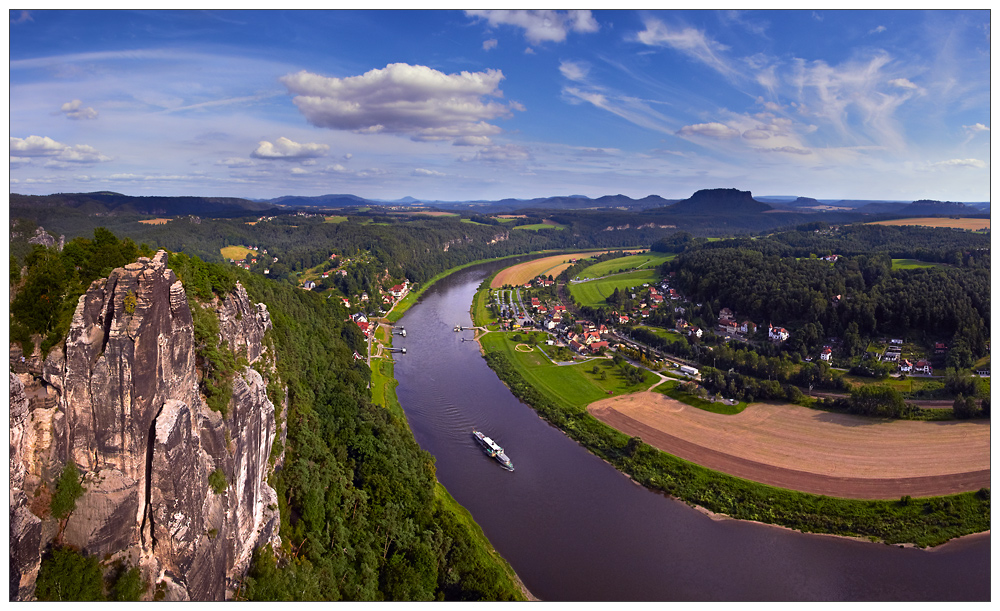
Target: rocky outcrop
column 46, row 239
column 121, row 400
column 25, row 528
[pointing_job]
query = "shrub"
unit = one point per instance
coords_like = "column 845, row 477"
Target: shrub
column 217, row 480
column 66, row 574
column 68, row 489
column 129, row 585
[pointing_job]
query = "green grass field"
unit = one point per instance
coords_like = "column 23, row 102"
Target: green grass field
column 670, row 336
column 670, row 389
column 472, row 222
column 574, row 386
column 647, row 260
column 912, row 264
column 334, row 219
column 539, row 226
column 595, row 292
column 481, row 313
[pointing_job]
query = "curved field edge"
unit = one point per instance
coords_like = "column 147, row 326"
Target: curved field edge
column 923, row 522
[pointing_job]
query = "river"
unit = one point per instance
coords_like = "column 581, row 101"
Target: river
column 574, row 528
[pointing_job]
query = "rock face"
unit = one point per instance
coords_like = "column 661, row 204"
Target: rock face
column 128, row 412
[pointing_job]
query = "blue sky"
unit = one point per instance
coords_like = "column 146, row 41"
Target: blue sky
column 456, row 105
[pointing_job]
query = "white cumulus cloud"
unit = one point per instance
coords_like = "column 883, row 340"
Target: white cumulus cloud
column 877, row 30
column 978, row 127
column 543, row 25
column 73, row 110
column 43, row 146
column 711, row 130
column 402, row 99
column 490, row 44
column 286, row 149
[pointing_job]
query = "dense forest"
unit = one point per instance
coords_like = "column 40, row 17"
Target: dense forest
column 855, row 297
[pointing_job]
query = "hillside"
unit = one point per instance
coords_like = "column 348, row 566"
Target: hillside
column 196, row 432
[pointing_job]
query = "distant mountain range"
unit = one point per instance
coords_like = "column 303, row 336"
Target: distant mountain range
column 707, row 202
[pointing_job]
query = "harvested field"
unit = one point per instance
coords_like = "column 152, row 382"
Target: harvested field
column 794, row 447
column 236, row 253
column 959, row 223
column 522, row 272
column 155, row 221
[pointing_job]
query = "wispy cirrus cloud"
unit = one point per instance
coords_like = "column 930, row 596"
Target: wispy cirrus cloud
column 574, row 70
column 957, row 163
column 694, row 43
column 507, row 153
column 540, row 25
column 426, row 172
column 972, row 130
column 412, row 100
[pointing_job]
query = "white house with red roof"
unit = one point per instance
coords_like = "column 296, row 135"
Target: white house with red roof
column 777, row 333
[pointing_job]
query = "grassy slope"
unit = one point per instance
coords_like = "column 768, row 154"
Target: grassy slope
column 670, row 389
column 574, row 385
column 645, row 261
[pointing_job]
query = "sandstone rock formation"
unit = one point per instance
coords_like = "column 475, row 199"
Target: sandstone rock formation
column 121, row 400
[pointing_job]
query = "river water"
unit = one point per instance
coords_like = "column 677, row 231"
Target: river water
column 574, row 528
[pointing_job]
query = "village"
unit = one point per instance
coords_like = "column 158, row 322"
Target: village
column 536, row 306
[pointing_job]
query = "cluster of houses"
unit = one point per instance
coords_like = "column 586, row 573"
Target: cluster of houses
column 591, row 340
column 253, row 260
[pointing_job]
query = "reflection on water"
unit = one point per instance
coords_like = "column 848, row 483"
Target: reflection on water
column 574, row 528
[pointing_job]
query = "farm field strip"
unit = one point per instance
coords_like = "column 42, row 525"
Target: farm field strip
column 912, row 264
column 959, row 223
column 595, row 292
column 523, row 272
column 812, row 451
column 632, row 262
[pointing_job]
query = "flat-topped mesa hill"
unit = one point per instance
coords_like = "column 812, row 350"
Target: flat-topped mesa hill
column 719, row 201
column 170, row 485
column 930, row 206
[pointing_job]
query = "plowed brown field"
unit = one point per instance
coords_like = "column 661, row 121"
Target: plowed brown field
column 794, row 447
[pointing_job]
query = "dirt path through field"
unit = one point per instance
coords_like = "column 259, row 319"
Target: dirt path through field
column 794, row 447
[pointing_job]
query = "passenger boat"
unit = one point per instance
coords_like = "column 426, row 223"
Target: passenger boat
column 494, row 450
